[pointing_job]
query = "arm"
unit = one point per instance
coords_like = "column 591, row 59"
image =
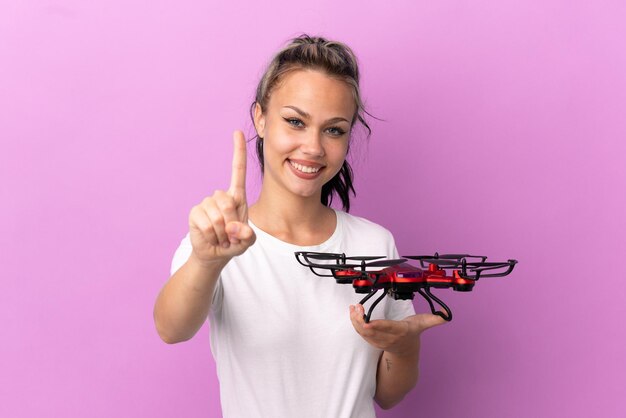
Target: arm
column 184, row 302
column 218, row 230
column 396, row 375
column 397, row 371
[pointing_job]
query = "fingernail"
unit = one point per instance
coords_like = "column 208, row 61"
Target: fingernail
column 226, row 244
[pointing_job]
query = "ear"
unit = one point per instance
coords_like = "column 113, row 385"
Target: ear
column 259, row 120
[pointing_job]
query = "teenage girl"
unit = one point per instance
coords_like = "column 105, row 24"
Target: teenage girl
column 286, row 342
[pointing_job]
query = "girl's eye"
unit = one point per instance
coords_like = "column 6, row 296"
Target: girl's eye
column 294, row 122
column 336, row 131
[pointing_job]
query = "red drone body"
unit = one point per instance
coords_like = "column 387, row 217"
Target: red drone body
column 405, row 277
column 401, row 280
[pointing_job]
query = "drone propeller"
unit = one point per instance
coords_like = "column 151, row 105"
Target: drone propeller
column 445, row 260
column 441, row 262
column 386, row 263
column 365, row 257
column 419, row 257
column 335, row 256
column 322, row 256
column 489, row 264
column 438, row 256
column 378, row 263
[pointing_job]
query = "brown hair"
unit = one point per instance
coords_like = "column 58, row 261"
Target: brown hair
column 333, row 58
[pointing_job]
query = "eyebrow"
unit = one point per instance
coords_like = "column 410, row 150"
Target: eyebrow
column 307, row 116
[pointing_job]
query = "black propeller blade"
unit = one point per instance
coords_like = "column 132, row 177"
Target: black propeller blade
column 440, row 262
column 438, row 256
column 418, row 257
column 323, row 256
column 334, row 256
column 378, row 263
column 366, row 257
column 386, row 263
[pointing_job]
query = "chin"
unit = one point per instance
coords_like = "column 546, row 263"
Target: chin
column 306, row 190
column 305, row 193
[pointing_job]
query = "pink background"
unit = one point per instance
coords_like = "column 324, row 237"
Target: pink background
column 504, row 134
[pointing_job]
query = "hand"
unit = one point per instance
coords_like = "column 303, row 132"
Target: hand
column 397, row 337
column 218, row 226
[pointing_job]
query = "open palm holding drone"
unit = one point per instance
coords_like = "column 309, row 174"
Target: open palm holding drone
column 398, row 337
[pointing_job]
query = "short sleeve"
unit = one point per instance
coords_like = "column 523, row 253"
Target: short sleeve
column 181, row 256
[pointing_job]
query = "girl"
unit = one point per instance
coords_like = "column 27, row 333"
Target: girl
column 286, row 342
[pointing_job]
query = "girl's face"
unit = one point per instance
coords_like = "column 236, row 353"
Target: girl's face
column 305, row 131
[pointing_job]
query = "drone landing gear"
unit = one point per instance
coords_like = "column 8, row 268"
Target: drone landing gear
column 371, row 309
column 426, row 294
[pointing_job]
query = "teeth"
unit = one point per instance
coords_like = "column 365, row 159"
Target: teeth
column 304, row 168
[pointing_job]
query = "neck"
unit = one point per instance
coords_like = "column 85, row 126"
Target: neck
column 295, row 219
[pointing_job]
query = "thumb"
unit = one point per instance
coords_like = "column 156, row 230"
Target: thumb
column 429, row 321
column 242, row 231
column 422, row 322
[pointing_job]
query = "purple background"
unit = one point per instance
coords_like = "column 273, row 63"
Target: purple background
column 503, row 134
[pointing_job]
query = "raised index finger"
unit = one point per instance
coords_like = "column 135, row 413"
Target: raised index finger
column 238, row 179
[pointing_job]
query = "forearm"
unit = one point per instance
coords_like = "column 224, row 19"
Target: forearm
column 396, row 376
column 184, row 302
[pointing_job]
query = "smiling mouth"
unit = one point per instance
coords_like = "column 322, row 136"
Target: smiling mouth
column 304, row 169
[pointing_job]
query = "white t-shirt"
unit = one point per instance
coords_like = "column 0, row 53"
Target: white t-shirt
column 282, row 338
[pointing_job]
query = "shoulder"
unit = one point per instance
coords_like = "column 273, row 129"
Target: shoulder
column 358, row 225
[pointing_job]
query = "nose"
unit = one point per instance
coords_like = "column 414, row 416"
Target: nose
column 312, row 144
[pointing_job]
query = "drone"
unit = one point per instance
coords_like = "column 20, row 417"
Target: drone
column 400, row 280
